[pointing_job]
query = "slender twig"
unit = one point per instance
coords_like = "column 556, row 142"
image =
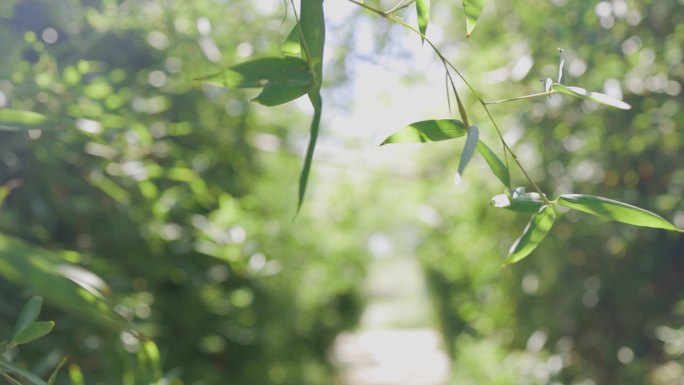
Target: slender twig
column 450, row 66
column 549, row 93
column 400, row 5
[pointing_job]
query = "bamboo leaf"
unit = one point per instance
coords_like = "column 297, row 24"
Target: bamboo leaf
column 63, row 284
column 28, row 314
column 589, row 95
column 495, row 164
column 519, row 201
column 617, row 211
column 306, row 168
column 534, row 233
column 278, row 71
column 292, row 47
column 472, row 140
column 428, row 131
column 14, row 120
column 33, row 331
column 312, row 24
column 273, row 95
column 472, row 9
column 423, row 10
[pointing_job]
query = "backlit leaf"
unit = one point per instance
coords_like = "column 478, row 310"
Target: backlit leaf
column 519, row 201
column 281, row 71
column 472, row 9
column 472, row 140
column 495, row 164
column 273, row 95
column 617, row 211
column 428, row 131
column 292, row 47
column 534, row 233
column 63, row 284
column 13, row 120
column 33, row 331
column 423, row 10
column 589, row 95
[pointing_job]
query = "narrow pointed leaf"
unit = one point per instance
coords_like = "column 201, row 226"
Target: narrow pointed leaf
column 428, row 131
column 53, row 375
column 62, row 284
column 617, row 211
column 28, row 314
column 273, row 95
column 534, row 233
column 312, row 23
column 495, row 164
column 472, row 9
column 14, row 120
column 281, row 71
column 292, row 47
column 519, row 201
column 423, row 10
column 315, row 123
column 33, row 331
column 472, row 140
column 9, row 367
column 590, row 95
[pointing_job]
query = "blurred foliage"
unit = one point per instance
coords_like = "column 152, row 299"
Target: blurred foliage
column 173, row 192
column 598, row 302
column 181, row 195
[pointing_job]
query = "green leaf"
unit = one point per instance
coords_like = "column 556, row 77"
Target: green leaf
column 472, row 9
column 589, row 95
column 423, row 10
column 273, row 95
column 312, row 23
column 534, row 233
column 428, row 131
column 63, row 284
column 53, row 375
column 33, row 331
column 495, row 164
column 472, row 140
column 280, row 71
column 14, row 120
column 306, row 168
column 519, row 201
column 292, row 47
column 9, row 367
column 617, row 211
column 28, row 314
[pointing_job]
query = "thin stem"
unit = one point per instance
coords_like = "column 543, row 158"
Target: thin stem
column 398, row 6
column 549, row 93
column 448, row 65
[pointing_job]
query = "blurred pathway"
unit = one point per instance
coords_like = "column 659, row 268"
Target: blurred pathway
column 396, row 343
